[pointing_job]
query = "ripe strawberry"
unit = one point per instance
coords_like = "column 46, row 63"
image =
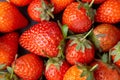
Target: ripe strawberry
column 79, row 72
column 105, row 36
column 28, row 67
column 78, row 17
column 60, row 5
column 108, row 12
column 42, row 39
column 115, row 52
column 55, row 69
column 10, row 18
column 95, row 1
column 8, row 48
column 20, row 3
column 79, row 50
column 40, row 10
column 105, row 72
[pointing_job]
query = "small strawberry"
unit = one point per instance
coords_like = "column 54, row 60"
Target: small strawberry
column 78, row 17
column 95, row 1
column 108, row 12
column 10, row 18
column 105, row 72
column 28, row 67
column 79, row 72
column 79, row 50
column 115, row 52
column 42, row 39
column 8, row 48
column 20, row 3
column 40, row 10
column 60, row 5
column 55, row 69
column 105, row 36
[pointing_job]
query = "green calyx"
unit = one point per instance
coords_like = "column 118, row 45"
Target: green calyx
column 81, row 41
column 46, row 11
column 89, row 11
column 87, row 71
column 115, row 51
column 55, row 61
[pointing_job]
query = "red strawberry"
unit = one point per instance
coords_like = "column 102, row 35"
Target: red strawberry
column 78, row 17
column 42, row 39
column 105, row 72
column 28, row 67
column 105, row 36
column 20, row 3
column 108, row 12
column 10, row 18
column 79, row 50
column 40, row 10
column 60, row 5
column 95, row 1
column 55, row 69
column 8, row 48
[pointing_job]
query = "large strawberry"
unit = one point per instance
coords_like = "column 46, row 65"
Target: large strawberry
column 20, row 3
column 40, row 10
column 108, row 12
column 42, row 39
column 105, row 72
column 78, row 16
column 95, row 1
column 10, row 18
column 55, row 69
column 105, row 36
column 28, row 67
column 79, row 50
column 60, row 5
column 8, row 48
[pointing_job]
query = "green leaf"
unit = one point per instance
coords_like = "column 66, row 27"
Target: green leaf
column 90, row 76
column 105, row 58
column 2, row 66
column 10, row 70
column 117, row 58
column 65, row 30
column 84, row 73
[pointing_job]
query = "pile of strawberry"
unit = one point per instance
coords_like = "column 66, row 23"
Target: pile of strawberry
column 60, row 40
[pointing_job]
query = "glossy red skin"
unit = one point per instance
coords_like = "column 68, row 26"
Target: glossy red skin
column 21, row 3
column 10, row 18
column 73, row 56
column 103, row 72
column 32, row 12
column 60, row 5
column 111, row 36
column 42, row 39
column 52, row 73
column 108, row 12
column 8, row 47
column 28, row 67
column 76, row 19
column 95, row 1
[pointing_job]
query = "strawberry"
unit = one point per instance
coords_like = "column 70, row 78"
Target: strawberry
column 79, row 72
column 55, row 69
column 20, row 3
column 78, row 17
column 79, row 50
column 28, row 67
column 60, row 5
column 105, row 72
column 10, row 18
column 42, row 39
column 95, row 1
column 40, row 10
column 108, row 12
column 105, row 36
column 115, row 52
column 8, row 48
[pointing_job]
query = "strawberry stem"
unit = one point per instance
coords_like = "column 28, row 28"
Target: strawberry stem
column 91, row 3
